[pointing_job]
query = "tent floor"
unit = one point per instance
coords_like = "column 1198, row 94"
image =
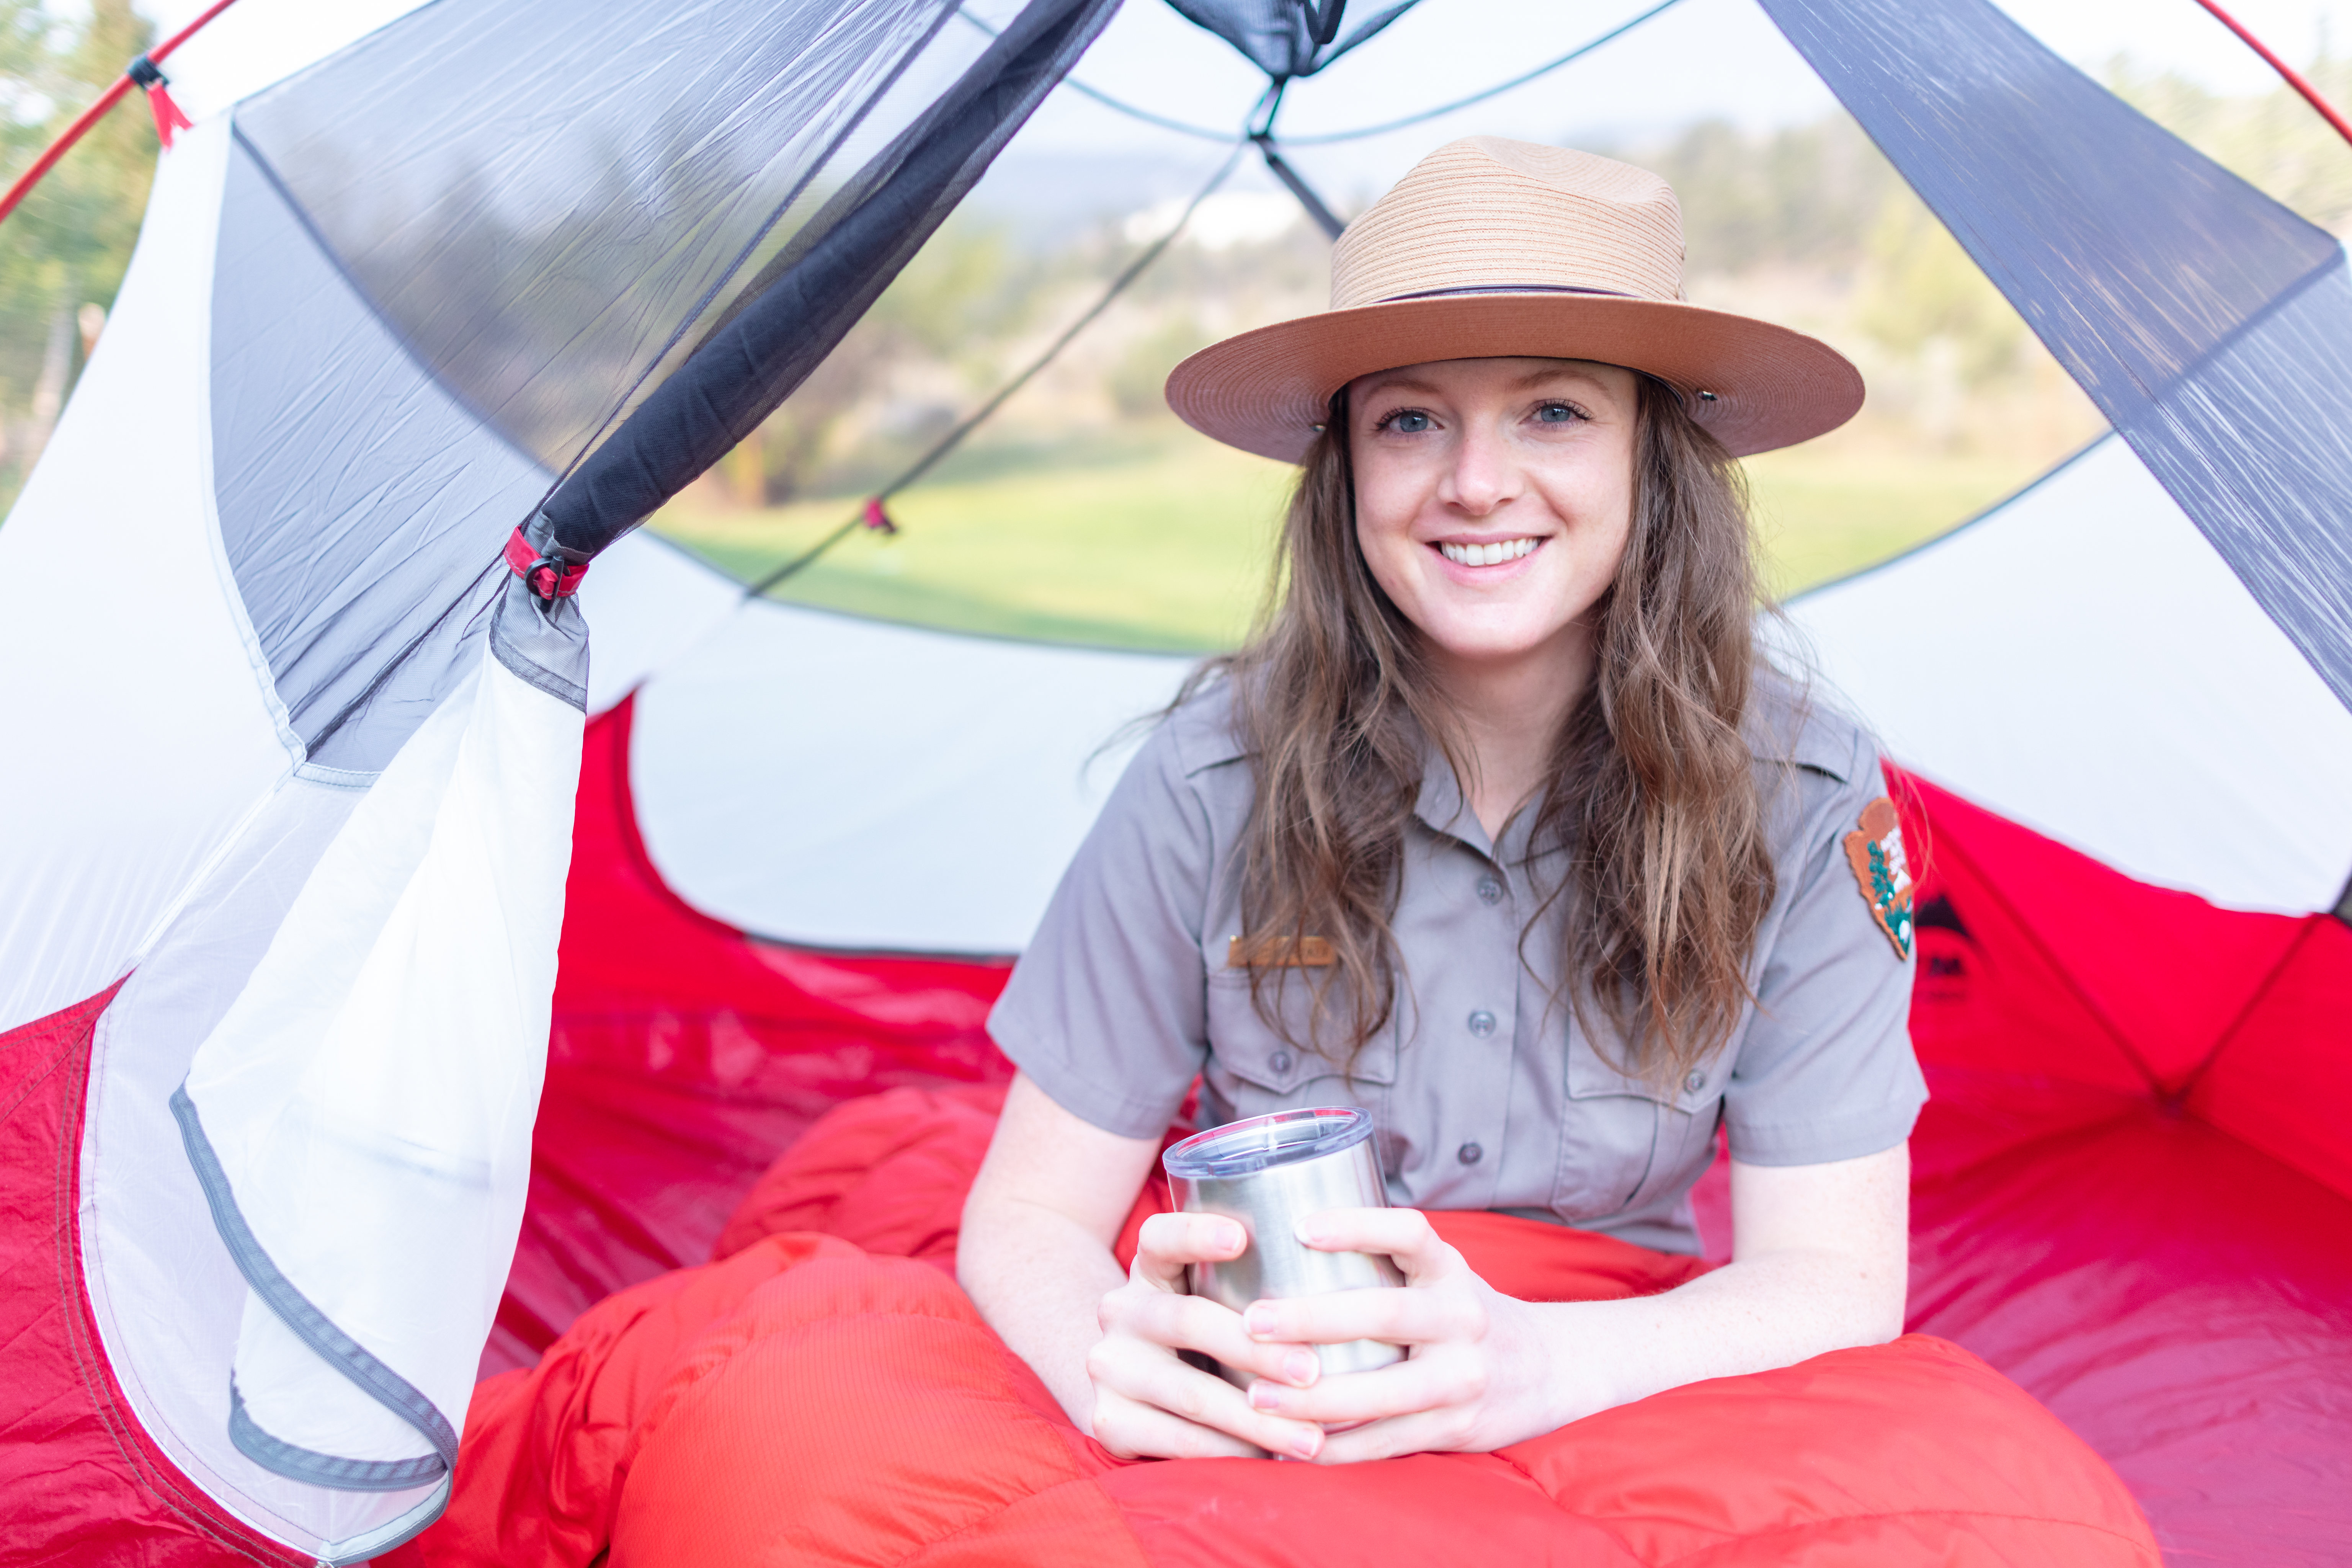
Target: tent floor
column 2181, row 1300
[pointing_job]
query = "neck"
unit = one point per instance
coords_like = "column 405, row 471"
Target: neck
column 1508, row 714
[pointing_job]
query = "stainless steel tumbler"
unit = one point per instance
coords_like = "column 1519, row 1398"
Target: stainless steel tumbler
column 1269, row 1172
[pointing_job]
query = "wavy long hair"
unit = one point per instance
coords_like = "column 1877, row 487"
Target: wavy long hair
column 1652, row 787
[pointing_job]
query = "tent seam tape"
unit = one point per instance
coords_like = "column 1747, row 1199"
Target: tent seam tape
column 309, row 1324
column 2195, row 1075
column 223, row 569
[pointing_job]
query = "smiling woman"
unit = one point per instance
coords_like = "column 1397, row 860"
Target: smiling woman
column 1504, row 751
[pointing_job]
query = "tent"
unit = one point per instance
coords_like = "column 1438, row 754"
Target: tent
column 383, row 979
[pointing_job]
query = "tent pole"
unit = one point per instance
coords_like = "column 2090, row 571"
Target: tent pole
column 131, row 77
column 2295, row 79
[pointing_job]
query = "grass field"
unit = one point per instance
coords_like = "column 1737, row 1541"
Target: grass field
column 1165, row 543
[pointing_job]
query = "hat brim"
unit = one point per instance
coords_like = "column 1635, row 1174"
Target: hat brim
column 1266, row 391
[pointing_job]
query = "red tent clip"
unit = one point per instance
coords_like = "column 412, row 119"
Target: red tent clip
column 169, row 121
column 542, row 574
column 876, row 519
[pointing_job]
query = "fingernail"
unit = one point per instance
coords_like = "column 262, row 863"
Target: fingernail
column 1311, row 1233
column 1300, row 1368
column 1264, row 1396
column 1307, row 1445
column 1259, row 1319
column 1231, row 1238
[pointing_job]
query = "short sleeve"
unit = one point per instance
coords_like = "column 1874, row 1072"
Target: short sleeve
column 1826, row 1070
column 1106, row 1011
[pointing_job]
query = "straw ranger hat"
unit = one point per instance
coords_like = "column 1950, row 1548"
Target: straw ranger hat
column 1492, row 248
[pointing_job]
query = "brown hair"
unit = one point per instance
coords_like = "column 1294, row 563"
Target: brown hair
column 1653, row 789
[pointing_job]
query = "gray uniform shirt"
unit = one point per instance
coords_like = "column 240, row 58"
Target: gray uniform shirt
column 1486, row 1091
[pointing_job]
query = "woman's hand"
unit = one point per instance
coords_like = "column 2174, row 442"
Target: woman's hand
column 1480, row 1373
column 1148, row 1403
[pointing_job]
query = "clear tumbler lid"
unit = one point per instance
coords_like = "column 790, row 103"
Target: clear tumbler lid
column 1263, row 1143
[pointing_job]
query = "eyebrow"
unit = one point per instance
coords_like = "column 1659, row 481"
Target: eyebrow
column 1527, row 382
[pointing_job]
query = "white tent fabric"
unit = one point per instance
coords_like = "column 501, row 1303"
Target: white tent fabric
column 2081, row 660
column 847, row 784
column 350, row 972
column 111, row 822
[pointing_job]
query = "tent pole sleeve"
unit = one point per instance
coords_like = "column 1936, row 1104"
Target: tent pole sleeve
column 764, row 348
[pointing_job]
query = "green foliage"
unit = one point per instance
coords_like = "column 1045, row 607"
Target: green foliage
column 1918, row 287
column 1800, row 197
column 1137, row 380
column 66, row 247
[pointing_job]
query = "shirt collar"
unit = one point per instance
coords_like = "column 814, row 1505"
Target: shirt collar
column 1444, row 809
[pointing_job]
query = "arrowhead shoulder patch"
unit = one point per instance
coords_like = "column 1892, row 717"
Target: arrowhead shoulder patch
column 1874, row 850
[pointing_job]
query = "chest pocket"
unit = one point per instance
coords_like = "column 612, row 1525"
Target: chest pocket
column 1252, row 1069
column 1625, row 1140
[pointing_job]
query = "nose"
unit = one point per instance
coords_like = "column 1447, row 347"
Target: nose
column 1485, row 473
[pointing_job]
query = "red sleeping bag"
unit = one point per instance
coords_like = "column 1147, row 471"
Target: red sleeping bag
column 823, row 1393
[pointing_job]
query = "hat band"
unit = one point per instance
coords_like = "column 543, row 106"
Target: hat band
column 1505, row 288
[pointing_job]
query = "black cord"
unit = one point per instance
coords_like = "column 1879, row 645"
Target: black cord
column 955, row 437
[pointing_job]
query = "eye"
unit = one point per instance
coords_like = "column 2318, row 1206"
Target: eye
column 1404, row 422
column 1558, row 414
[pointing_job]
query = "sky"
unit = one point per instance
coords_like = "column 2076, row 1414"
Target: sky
column 1702, row 58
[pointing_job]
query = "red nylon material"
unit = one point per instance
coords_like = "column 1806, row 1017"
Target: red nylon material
column 169, row 121
column 546, row 582
column 80, row 1481
column 2132, row 1188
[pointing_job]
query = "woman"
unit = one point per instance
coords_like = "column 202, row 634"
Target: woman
column 1502, row 827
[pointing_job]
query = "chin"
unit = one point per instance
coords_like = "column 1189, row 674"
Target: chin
column 1488, row 644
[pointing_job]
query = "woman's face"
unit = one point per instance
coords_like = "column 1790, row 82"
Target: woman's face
column 1493, row 497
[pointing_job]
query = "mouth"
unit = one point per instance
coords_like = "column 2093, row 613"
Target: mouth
column 1495, row 553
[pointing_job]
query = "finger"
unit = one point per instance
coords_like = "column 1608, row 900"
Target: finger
column 1169, row 1241
column 1408, row 1388
column 1135, row 1431
column 1147, row 1374
column 1197, row 1323
column 1404, row 1235
column 1449, row 1430
column 1405, row 1317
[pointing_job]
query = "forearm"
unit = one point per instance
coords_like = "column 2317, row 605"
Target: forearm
column 1039, row 1279
column 1753, row 1315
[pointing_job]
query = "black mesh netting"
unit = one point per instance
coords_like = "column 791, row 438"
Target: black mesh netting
column 2212, row 325
column 502, row 248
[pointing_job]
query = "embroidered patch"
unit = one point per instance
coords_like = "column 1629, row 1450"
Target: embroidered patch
column 1875, row 853
column 1279, row 952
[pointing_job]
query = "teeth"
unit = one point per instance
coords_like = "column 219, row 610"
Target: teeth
column 1487, row 554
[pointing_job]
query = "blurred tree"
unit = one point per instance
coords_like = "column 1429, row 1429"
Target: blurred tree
column 1919, row 289
column 1803, row 195
column 965, row 294
column 1139, row 379
column 66, row 247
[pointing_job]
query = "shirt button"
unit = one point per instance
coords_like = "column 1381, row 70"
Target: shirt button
column 1696, row 1081
column 1482, row 1022
column 1470, row 1153
column 1489, row 891
column 1279, row 1061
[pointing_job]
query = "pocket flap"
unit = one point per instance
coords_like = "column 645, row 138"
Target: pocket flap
column 1252, row 1050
